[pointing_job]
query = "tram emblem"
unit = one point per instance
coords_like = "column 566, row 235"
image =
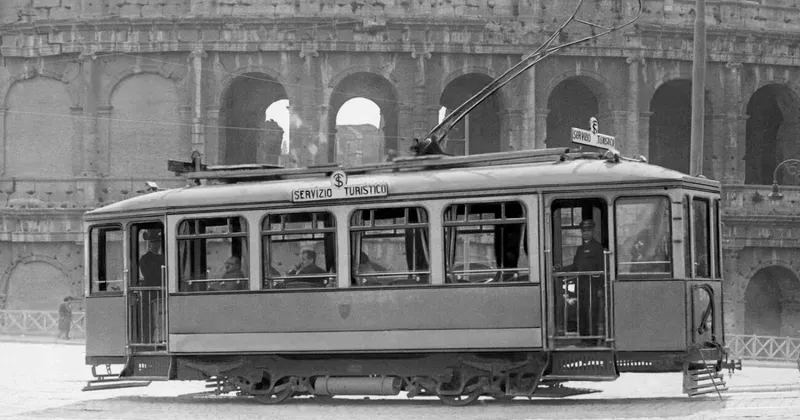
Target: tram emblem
column 340, row 189
column 344, row 310
column 592, row 137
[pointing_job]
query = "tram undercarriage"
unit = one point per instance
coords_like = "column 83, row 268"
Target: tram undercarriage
column 455, row 378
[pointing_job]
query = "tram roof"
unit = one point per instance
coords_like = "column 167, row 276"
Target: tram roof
column 590, row 173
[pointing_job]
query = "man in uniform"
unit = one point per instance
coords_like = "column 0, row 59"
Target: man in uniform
column 589, row 257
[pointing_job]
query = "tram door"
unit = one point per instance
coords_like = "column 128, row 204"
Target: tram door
column 147, row 288
column 579, row 278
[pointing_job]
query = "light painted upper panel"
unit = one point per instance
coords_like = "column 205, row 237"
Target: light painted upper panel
column 588, row 173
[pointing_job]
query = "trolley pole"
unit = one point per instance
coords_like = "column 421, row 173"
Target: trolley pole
column 698, row 89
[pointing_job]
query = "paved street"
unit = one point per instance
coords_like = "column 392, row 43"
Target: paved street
column 45, row 381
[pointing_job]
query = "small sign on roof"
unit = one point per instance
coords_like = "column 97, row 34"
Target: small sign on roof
column 340, row 189
column 592, row 137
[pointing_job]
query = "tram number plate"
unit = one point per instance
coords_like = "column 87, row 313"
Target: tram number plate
column 591, row 139
column 344, row 192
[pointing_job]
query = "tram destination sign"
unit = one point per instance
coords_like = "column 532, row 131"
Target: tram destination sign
column 592, row 137
column 340, row 189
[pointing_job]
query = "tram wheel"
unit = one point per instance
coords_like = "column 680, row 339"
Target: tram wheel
column 281, row 394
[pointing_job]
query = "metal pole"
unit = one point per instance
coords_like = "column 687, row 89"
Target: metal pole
column 698, row 89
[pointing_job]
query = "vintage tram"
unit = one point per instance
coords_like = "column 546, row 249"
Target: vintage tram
column 496, row 275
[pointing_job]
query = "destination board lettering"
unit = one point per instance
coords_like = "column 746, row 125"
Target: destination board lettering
column 591, row 139
column 344, row 192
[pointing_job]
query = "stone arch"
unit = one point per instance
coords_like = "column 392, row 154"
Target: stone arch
column 145, row 126
column 47, row 101
column 375, row 87
column 362, row 68
column 108, row 89
column 45, row 284
column 230, row 77
column 572, row 101
column 245, row 136
column 772, row 129
column 770, row 301
column 480, row 131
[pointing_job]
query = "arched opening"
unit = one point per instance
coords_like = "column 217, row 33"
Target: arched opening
column 671, row 125
column 363, row 88
column 37, row 285
column 572, row 103
column 771, row 135
column 479, row 131
column 768, row 297
column 278, row 113
column 359, row 132
column 246, row 135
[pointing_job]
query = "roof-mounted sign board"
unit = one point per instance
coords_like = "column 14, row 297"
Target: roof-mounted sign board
column 592, row 137
column 340, row 189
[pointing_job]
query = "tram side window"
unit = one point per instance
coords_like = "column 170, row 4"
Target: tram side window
column 106, row 259
column 702, row 239
column 390, row 246
column 579, row 224
column 643, row 236
column 484, row 243
column 213, row 254
column 299, row 250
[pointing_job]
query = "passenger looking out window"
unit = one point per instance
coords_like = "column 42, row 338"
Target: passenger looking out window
column 299, row 250
column 389, row 247
column 484, row 243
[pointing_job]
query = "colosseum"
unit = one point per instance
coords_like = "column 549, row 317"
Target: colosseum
column 96, row 94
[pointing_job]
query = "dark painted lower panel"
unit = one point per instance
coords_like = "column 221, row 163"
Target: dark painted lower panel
column 105, row 326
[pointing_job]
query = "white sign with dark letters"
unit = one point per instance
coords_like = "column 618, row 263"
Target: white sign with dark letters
column 340, row 189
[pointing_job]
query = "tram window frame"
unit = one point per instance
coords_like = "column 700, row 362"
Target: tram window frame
column 566, row 214
column 274, row 279
column 688, row 243
column 192, row 235
column 98, row 260
column 490, row 219
column 416, row 239
column 717, row 239
column 625, row 246
column 701, row 226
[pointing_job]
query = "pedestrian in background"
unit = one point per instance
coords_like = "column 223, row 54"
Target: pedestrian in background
column 64, row 318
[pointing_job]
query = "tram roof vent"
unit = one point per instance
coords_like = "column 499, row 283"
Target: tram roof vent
column 257, row 172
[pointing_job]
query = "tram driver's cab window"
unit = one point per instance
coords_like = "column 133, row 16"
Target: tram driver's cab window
column 213, row 255
column 697, row 231
column 105, row 270
column 580, row 234
column 390, row 247
column 643, row 237
column 484, row 243
column 299, row 250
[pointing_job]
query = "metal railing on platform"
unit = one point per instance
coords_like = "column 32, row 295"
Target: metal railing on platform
column 17, row 322
column 759, row 347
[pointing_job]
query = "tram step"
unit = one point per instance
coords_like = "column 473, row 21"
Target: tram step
column 588, row 365
column 103, row 384
column 703, row 381
column 148, row 366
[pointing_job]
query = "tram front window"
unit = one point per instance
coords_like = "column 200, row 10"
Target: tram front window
column 299, row 250
column 643, row 237
column 389, row 247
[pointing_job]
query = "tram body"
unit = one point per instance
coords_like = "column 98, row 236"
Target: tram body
column 455, row 280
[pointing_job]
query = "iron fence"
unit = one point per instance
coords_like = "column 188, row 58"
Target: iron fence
column 759, row 347
column 37, row 322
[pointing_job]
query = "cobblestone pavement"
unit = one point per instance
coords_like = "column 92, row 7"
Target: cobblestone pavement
column 44, row 382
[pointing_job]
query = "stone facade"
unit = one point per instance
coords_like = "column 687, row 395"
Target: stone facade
column 96, row 93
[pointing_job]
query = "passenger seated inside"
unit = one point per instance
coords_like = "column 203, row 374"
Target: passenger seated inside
column 233, row 275
column 307, row 266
